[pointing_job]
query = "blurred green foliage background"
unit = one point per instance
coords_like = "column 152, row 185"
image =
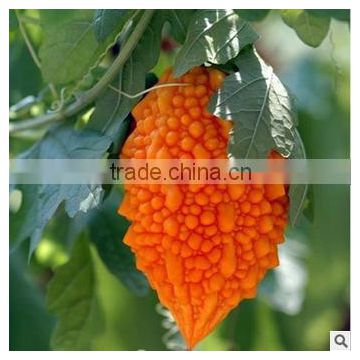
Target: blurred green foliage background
column 296, row 308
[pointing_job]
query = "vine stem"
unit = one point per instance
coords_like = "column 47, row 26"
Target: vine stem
column 89, row 96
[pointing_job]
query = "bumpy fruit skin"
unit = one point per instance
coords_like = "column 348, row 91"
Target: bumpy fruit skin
column 204, row 248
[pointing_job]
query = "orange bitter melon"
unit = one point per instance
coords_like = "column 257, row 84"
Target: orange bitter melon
column 203, row 248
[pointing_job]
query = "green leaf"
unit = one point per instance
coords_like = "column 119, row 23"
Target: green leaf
column 63, row 230
column 30, row 324
column 179, row 20
column 253, row 14
column 214, row 36
column 39, row 202
column 260, row 106
column 21, row 66
column 13, row 22
column 106, row 21
column 311, row 29
column 107, row 230
column 297, row 192
column 55, row 17
column 112, row 108
column 245, row 313
column 70, row 48
column 71, row 295
column 338, row 14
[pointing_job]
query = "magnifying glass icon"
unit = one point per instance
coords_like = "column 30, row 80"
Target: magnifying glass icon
column 340, row 340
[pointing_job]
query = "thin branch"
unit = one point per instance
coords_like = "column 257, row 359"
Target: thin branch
column 27, row 40
column 89, row 96
column 31, row 49
column 134, row 96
